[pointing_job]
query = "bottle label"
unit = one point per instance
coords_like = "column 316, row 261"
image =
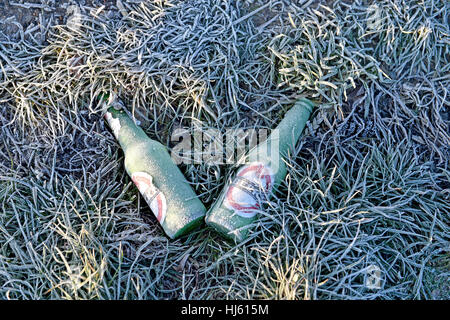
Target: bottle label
column 114, row 123
column 250, row 185
column 152, row 195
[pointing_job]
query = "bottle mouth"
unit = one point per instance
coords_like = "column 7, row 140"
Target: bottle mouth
column 117, row 104
column 107, row 103
column 108, row 100
column 103, row 97
column 306, row 103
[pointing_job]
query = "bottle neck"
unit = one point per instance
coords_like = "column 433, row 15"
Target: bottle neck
column 124, row 128
column 284, row 137
column 291, row 126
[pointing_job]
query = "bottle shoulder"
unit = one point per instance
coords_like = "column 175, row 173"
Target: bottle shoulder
column 145, row 154
column 140, row 148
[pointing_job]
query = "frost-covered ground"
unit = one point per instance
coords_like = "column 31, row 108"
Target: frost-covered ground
column 363, row 212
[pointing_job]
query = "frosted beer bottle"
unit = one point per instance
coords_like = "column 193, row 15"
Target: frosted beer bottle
column 239, row 203
column 158, row 179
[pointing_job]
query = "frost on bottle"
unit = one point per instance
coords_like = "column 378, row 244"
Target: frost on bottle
column 264, row 169
column 158, row 179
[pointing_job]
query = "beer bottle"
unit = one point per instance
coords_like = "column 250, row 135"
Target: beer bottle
column 158, row 179
column 239, row 203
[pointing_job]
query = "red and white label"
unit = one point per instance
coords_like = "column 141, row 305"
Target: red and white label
column 152, row 195
column 251, row 183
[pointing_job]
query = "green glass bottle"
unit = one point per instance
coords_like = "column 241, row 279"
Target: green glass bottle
column 161, row 183
column 239, row 203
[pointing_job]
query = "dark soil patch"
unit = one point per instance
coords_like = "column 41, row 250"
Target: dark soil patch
column 31, row 16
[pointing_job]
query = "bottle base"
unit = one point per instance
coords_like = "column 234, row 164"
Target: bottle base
column 191, row 226
column 228, row 233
